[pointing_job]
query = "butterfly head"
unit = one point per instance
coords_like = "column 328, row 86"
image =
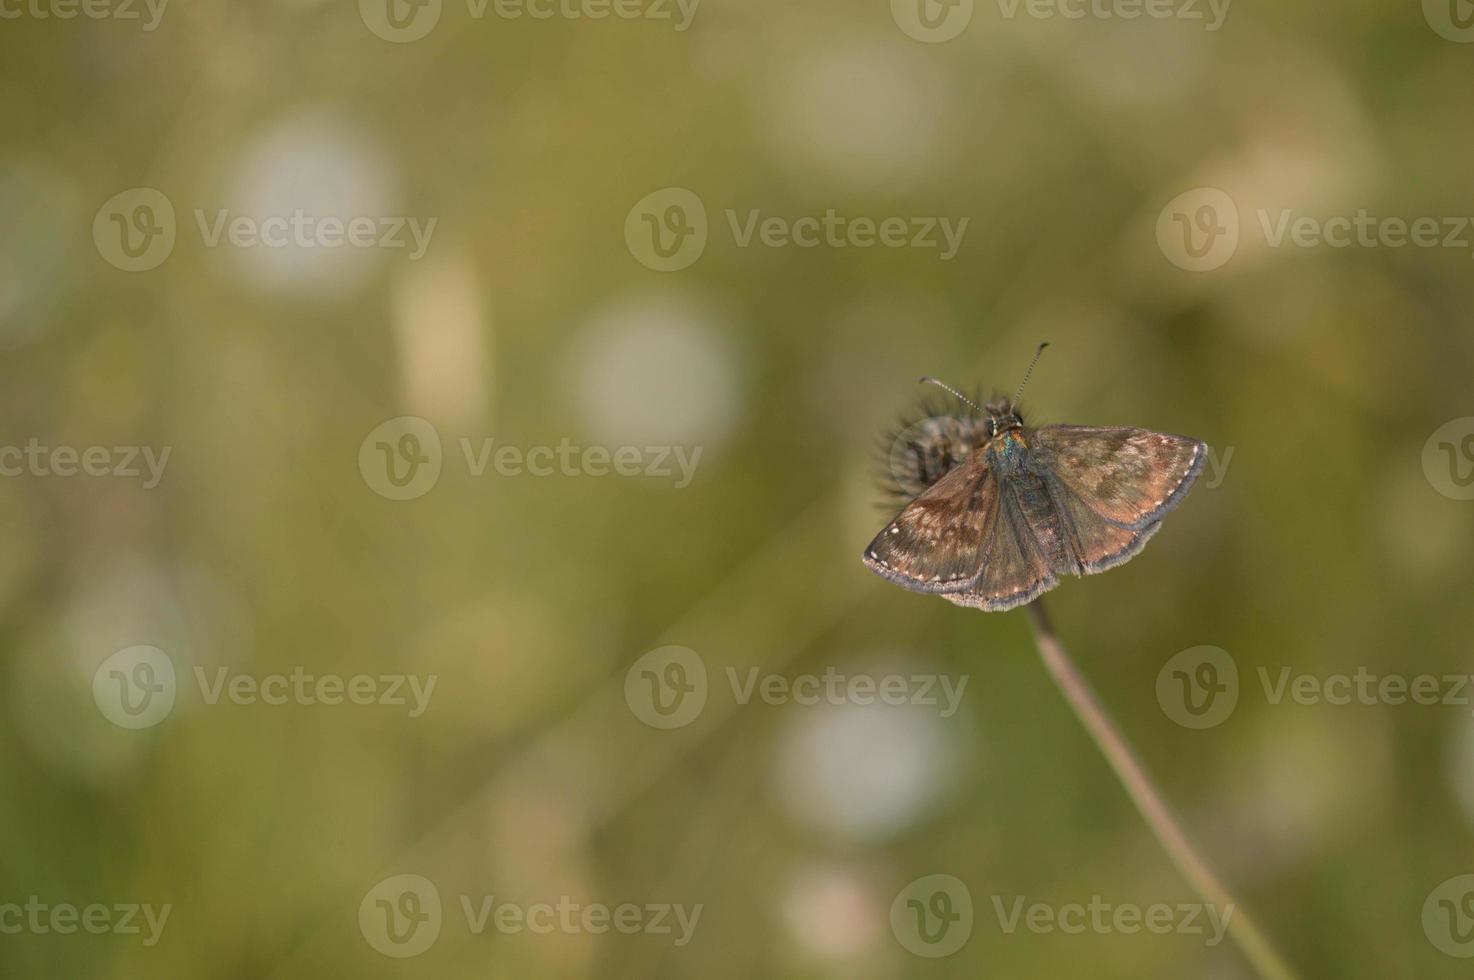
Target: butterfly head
column 1002, row 416
column 1002, row 413
column 924, row 451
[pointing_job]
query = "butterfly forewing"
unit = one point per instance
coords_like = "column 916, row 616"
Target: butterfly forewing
column 937, row 543
column 1129, row 477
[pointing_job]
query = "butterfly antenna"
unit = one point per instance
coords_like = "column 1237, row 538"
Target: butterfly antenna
column 948, row 388
column 1027, row 375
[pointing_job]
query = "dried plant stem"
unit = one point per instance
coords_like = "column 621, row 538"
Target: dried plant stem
column 1149, row 800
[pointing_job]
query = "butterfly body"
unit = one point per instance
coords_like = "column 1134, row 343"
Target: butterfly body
column 1000, row 511
column 1007, row 453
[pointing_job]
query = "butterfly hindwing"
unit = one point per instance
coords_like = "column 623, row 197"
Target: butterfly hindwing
column 1096, row 544
column 936, row 544
column 1016, row 568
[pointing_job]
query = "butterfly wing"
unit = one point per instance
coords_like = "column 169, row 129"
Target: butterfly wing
column 1094, row 544
column 937, row 543
column 1128, row 477
column 1016, row 568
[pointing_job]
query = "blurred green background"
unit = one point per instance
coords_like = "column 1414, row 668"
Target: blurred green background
column 1328, row 534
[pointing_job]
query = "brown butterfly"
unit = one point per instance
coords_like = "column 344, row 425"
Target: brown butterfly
column 1002, row 510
